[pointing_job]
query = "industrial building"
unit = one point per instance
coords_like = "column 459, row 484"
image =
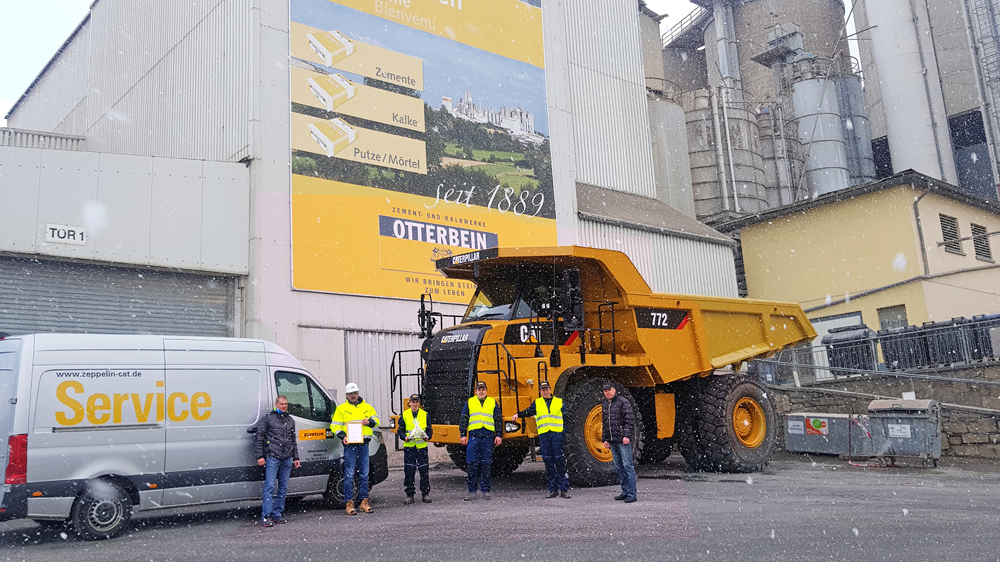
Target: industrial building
column 779, row 111
column 151, row 183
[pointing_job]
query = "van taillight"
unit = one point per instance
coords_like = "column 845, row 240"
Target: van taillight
column 17, row 460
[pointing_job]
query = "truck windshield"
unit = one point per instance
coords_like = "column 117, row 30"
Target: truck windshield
column 512, row 293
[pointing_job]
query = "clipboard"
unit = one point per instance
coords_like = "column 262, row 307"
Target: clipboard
column 355, row 432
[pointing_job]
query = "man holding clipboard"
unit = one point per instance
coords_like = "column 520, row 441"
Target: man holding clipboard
column 353, row 422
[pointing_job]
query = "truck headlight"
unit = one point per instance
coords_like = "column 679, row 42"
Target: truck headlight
column 511, row 427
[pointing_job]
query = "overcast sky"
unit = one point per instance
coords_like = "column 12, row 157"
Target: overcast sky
column 31, row 31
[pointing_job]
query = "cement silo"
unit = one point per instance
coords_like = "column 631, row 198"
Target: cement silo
column 856, row 128
column 670, row 151
column 821, row 23
column 912, row 99
column 817, row 112
column 727, row 171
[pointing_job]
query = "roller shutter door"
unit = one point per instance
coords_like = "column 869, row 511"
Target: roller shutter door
column 53, row 296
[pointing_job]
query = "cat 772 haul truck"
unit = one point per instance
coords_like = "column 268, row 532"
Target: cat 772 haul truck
column 579, row 317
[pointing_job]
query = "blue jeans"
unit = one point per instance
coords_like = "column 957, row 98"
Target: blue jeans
column 622, row 455
column 551, row 445
column 479, row 459
column 274, row 503
column 355, row 457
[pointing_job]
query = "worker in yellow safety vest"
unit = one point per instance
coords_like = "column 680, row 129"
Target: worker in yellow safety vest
column 480, row 426
column 355, row 409
column 415, row 431
column 547, row 410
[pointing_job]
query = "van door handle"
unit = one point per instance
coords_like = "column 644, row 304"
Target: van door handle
column 251, row 430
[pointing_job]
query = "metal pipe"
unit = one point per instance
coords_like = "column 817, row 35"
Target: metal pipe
column 729, row 148
column 920, row 230
column 720, row 160
column 784, row 154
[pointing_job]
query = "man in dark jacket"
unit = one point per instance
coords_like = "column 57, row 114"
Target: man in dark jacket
column 619, row 425
column 276, row 449
column 480, row 426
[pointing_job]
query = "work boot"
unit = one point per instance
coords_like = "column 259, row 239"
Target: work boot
column 408, row 500
column 552, row 495
column 470, row 496
column 487, row 496
column 565, row 494
column 426, row 498
column 349, row 509
column 620, row 497
column 366, row 507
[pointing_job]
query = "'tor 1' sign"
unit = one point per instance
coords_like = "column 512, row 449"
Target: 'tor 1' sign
column 63, row 234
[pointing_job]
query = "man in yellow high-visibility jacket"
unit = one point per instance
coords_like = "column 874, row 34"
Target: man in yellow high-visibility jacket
column 415, row 430
column 547, row 411
column 355, row 409
column 480, row 426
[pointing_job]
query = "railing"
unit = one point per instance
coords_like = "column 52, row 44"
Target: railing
column 38, row 139
column 684, row 25
column 913, row 351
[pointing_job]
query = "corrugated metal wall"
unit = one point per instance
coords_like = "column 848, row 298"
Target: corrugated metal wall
column 58, row 100
column 669, row 264
column 369, row 356
column 608, row 93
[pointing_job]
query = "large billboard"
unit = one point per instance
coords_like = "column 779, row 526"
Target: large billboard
column 419, row 130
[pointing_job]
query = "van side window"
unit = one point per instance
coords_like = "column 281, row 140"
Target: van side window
column 305, row 399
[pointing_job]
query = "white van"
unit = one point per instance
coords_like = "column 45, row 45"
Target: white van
column 99, row 426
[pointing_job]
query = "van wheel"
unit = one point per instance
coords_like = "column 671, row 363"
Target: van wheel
column 335, row 491
column 103, row 511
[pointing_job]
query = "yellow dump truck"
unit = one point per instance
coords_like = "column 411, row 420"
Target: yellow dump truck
column 578, row 317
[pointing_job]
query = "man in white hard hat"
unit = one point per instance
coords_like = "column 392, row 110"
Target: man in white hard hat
column 355, row 409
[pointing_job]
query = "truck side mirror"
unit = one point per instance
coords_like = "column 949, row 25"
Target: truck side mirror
column 571, row 301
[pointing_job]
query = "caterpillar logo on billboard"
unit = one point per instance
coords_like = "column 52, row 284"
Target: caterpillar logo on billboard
column 419, row 132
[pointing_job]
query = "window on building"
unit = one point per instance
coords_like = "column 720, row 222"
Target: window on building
column 972, row 154
column 949, row 230
column 883, row 160
column 981, row 243
column 893, row 317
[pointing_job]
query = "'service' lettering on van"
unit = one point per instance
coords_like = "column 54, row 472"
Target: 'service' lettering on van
column 99, row 408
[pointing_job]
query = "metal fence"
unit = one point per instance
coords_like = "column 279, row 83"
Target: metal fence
column 36, row 139
column 856, row 351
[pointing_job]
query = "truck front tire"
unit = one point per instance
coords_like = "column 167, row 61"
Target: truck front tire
column 728, row 424
column 587, row 461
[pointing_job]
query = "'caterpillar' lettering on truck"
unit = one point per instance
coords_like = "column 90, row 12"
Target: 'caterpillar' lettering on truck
column 100, row 408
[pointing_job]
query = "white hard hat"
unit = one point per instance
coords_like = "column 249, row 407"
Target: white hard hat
column 351, row 387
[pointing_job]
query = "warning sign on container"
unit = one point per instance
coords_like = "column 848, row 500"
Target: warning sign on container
column 899, row 430
column 817, row 426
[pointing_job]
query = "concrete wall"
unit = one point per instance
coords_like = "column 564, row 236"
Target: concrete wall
column 686, row 67
column 166, row 212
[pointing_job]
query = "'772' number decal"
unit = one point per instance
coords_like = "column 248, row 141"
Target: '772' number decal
column 661, row 318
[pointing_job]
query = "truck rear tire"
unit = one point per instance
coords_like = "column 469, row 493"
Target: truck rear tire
column 587, row 461
column 102, row 511
column 655, row 451
column 727, row 426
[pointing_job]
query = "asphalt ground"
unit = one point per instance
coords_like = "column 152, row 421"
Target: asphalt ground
column 800, row 508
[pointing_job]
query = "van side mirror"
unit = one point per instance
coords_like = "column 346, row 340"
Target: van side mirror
column 571, row 301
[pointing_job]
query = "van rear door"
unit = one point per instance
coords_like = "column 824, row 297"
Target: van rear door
column 214, row 392
column 9, row 365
